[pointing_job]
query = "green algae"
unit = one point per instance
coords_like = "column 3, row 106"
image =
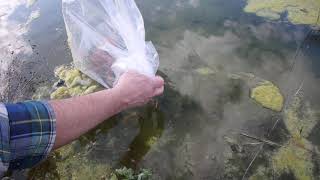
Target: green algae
column 295, row 156
column 299, row 11
column 296, row 160
column 262, row 91
column 75, row 83
column 268, row 95
column 300, row 119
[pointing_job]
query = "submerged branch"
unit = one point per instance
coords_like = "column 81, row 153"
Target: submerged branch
column 261, row 140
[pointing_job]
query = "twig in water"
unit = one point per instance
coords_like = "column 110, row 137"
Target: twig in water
column 251, row 162
column 261, row 140
column 301, row 85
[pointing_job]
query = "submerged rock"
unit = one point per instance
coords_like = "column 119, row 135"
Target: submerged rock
column 268, row 95
column 298, row 11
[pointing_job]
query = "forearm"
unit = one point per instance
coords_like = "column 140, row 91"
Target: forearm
column 76, row 116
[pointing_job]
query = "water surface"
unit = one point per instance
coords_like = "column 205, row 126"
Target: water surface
column 185, row 134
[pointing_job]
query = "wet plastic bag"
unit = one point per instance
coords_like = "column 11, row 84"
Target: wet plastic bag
column 107, row 38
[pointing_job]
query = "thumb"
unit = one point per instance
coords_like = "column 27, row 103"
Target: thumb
column 158, row 91
column 158, row 82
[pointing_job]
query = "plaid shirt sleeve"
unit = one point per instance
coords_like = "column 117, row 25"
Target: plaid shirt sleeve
column 27, row 134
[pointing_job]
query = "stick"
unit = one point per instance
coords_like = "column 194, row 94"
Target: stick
column 261, row 140
column 254, row 158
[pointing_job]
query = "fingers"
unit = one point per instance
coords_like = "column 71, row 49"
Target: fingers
column 158, row 82
column 158, row 91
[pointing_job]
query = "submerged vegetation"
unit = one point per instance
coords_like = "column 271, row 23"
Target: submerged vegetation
column 299, row 11
column 294, row 158
column 268, row 95
column 296, row 155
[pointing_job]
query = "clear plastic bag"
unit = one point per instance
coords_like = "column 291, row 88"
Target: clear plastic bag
column 107, row 38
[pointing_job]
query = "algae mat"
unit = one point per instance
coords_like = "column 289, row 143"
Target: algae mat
column 299, row 11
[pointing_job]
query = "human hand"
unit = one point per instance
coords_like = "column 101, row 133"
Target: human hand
column 135, row 89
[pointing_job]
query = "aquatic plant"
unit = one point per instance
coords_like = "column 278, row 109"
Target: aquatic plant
column 295, row 156
column 295, row 160
column 268, row 95
column 262, row 91
column 298, row 11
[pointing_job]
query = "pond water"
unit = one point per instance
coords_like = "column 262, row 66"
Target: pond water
column 205, row 126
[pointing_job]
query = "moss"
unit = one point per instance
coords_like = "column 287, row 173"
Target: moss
column 268, row 95
column 299, row 11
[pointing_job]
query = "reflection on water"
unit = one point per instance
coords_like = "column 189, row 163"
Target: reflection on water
column 194, row 130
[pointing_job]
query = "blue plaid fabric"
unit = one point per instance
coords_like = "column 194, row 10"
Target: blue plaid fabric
column 27, row 134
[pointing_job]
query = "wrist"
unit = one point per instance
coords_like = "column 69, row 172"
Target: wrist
column 119, row 98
